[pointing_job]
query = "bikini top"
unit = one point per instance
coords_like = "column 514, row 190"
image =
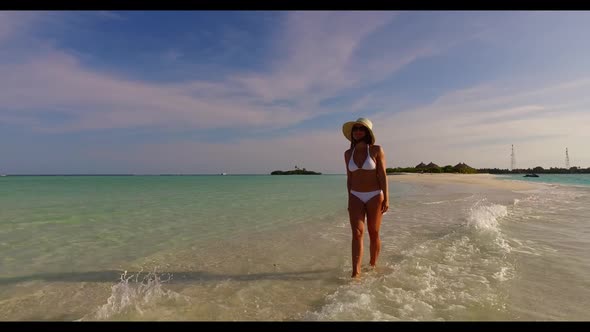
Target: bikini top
column 368, row 165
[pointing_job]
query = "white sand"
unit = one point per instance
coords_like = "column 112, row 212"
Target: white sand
column 487, row 180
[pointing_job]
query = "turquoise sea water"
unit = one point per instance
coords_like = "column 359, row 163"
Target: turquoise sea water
column 567, row 179
column 68, row 219
column 278, row 248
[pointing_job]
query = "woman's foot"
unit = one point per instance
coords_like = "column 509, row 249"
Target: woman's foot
column 369, row 268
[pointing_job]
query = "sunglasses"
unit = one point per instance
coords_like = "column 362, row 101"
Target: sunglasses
column 356, row 128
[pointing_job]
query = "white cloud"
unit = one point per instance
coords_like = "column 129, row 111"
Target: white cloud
column 319, row 55
column 314, row 55
column 15, row 24
column 478, row 126
column 57, row 81
column 479, row 136
column 317, row 62
column 326, row 154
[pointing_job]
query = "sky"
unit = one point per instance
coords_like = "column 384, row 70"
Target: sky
column 250, row 92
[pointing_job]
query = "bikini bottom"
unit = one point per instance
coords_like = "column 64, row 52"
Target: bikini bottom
column 366, row 196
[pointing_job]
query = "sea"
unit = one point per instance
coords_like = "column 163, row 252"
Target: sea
column 277, row 248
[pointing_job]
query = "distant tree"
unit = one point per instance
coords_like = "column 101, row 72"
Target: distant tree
column 436, row 169
column 466, row 169
column 448, row 169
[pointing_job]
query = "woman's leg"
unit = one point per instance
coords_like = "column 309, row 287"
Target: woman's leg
column 374, row 216
column 356, row 213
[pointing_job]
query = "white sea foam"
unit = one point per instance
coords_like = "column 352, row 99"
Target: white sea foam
column 505, row 273
column 437, row 202
column 355, row 301
column 484, row 217
column 134, row 294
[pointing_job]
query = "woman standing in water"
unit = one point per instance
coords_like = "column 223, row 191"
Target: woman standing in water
column 368, row 195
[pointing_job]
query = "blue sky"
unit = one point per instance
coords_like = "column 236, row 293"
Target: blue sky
column 252, row 92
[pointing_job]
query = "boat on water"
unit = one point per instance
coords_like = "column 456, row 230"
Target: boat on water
column 223, row 173
column 531, row 176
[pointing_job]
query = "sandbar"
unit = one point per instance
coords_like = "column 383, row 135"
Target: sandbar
column 486, row 180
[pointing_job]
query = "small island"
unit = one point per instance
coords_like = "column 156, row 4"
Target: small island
column 296, row 171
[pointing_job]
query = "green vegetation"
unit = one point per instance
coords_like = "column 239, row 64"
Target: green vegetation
column 466, row 169
column 434, row 168
column 296, row 171
column 537, row 170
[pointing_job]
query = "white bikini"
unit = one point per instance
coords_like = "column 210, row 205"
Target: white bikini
column 368, row 165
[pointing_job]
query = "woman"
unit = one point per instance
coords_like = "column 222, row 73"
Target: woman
column 368, row 195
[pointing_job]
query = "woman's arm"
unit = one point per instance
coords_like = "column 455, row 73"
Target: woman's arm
column 382, row 177
column 346, row 156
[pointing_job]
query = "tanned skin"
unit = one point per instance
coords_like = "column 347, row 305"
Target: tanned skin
column 365, row 181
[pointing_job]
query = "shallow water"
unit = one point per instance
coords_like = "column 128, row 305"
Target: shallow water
column 278, row 248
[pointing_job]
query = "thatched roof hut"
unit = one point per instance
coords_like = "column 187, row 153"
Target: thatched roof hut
column 461, row 165
column 432, row 165
column 464, row 168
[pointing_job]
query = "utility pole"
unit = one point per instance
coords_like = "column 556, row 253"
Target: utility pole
column 567, row 159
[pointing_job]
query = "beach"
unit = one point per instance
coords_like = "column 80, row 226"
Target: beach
column 484, row 180
column 268, row 248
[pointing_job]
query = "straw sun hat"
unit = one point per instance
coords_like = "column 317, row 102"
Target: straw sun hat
column 347, row 128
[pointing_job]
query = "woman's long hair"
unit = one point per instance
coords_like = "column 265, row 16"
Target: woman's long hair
column 368, row 138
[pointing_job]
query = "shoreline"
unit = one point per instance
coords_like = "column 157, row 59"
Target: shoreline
column 483, row 180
